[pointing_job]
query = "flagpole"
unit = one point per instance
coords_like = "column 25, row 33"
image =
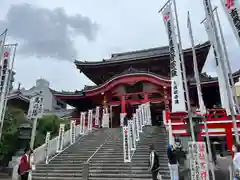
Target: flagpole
column 8, row 88
column 199, row 90
column 210, row 18
column 227, row 60
column 4, row 34
column 184, row 73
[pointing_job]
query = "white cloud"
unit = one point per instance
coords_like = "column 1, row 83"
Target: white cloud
column 124, row 25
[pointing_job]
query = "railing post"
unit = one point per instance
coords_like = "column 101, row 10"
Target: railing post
column 85, row 171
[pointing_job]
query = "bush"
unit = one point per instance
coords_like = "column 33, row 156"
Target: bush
column 14, row 117
column 49, row 123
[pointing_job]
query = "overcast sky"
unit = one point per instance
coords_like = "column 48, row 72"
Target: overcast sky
column 51, row 34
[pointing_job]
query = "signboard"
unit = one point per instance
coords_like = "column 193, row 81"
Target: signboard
column 36, row 107
column 47, row 139
column 73, row 131
column 60, row 138
column 122, row 116
column 82, row 121
column 198, row 161
column 132, row 135
column 97, row 116
column 136, row 121
column 90, row 119
column 178, row 99
column 126, row 144
column 139, row 116
column 106, row 118
column 231, row 8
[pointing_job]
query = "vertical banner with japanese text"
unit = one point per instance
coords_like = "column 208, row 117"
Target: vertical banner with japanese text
column 232, row 10
column 178, row 98
column 47, row 139
column 136, row 121
column 60, row 138
column 198, row 161
column 126, row 144
column 73, row 131
column 210, row 27
column 97, row 116
column 82, row 121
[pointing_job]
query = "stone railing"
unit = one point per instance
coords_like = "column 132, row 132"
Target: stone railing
column 40, row 152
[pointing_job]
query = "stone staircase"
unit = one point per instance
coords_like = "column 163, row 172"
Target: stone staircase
column 108, row 162
column 159, row 138
column 68, row 164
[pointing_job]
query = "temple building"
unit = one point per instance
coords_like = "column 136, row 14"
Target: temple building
column 130, row 78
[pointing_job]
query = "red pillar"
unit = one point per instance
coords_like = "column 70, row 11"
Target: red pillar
column 123, row 104
column 146, row 97
column 199, row 137
column 229, row 138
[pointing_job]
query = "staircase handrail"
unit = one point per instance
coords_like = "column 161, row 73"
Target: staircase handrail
column 39, row 152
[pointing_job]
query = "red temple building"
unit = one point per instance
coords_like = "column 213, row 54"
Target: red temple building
column 131, row 78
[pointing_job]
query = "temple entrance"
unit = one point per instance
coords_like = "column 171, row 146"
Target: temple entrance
column 115, row 116
column 156, row 113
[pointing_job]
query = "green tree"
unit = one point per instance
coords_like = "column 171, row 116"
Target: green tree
column 14, row 117
column 49, row 123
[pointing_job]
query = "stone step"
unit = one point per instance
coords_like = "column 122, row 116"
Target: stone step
column 59, row 170
column 56, row 178
column 120, row 171
column 56, row 174
column 121, row 166
column 122, row 175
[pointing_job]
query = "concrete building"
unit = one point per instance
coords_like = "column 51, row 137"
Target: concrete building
column 50, row 104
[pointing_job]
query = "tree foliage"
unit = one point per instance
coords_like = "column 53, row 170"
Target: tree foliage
column 13, row 119
column 49, row 123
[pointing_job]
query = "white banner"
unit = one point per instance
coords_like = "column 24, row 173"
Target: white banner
column 60, row 138
column 47, row 139
column 90, row 118
column 122, row 116
column 97, row 116
column 126, row 144
column 198, row 161
column 35, row 107
column 140, row 119
column 213, row 37
column 202, row 107
column 132, row 135
column 178, row 98
column 73, row 131
column 82, row 123
column 136, row 121
column 232, row 10
column 106, row 118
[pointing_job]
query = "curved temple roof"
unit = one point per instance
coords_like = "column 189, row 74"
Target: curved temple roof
column 155, row 60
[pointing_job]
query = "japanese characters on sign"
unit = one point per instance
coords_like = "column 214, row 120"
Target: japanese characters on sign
column 235, row 18
column 198, row 161
column 60, row 138
column 126, row 144
column 131, row 134
column 175, row 93
column 73, row 131
column 82, row 123
column 47, row 139
column 97, row 116
column 36, row 107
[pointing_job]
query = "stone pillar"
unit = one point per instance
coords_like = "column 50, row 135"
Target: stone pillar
column 123, row 104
